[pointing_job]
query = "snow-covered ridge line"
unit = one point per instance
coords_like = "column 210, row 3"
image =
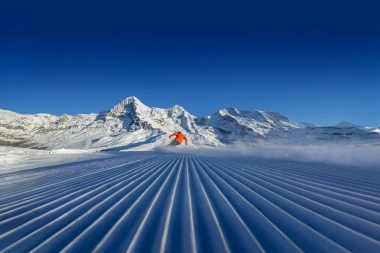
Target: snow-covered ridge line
column 131, row 124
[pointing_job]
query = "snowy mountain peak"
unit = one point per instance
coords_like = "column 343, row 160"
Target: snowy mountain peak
column 177, row 111
column 130, row 105
column 346, row 124
column 131, row 99
column 177, row 107
column 253, row 115
column 231, row 110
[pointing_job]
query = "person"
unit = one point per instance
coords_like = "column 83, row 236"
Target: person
column 178, row 139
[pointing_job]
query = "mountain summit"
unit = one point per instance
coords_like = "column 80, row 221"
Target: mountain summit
column 128, row 105
column 132, row 124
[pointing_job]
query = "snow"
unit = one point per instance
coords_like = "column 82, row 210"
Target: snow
column 130, row 124
column 67, row 151
column 23, row 158
column 249, row 181
column 191, row 200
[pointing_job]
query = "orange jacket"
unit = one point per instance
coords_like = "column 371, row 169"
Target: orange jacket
column 179, row 137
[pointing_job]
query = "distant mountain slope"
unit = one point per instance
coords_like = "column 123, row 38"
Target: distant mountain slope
column 132, row 124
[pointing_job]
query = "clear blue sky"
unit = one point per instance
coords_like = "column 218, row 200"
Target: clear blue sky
column 315, row 62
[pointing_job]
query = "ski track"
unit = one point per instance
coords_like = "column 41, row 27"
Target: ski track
column 175, row 202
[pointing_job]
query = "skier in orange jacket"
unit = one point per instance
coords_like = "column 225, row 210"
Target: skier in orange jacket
column 178, row 139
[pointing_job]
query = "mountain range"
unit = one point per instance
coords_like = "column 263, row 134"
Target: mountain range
column 135, row 126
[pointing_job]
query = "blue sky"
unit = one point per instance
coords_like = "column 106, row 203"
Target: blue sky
column 318, row 63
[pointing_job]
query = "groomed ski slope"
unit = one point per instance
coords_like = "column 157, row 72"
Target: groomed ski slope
column 176, row 202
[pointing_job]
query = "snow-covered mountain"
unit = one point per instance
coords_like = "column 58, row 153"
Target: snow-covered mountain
column 131, row 124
